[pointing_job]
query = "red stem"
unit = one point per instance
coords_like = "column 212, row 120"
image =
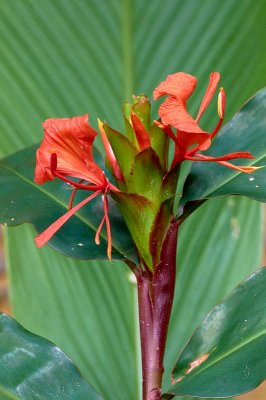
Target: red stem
column 155, row 295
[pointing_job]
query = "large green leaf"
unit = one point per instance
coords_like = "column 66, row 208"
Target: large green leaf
column 63, row 58
column 89, row 309
column 245, row 132
column 226, row 355
column 207, row 270
column 76, row 237
column 33, row 367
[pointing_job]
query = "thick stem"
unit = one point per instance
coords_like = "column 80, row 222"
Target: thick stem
column 155, row 294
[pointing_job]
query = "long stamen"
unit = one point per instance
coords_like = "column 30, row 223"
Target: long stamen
column 220, row 109
column 46, row 235
column 73, row 194
column 79, row 185
column 71, row 199
column 108, row 227
column 97, row 235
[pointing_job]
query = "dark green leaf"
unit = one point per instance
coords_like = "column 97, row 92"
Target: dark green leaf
column 32, row 367
column 24, row 201
column 226, row 356
column 245, row 132
column 213, row 242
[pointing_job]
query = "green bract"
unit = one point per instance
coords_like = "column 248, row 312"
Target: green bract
column 147, row 199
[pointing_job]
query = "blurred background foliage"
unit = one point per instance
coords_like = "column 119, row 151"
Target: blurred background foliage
column 61, row 58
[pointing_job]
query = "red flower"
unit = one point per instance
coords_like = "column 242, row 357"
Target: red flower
column 71, row 139
column 190, row 138
column 66, row 150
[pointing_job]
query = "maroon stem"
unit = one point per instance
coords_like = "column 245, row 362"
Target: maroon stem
column 155, row 295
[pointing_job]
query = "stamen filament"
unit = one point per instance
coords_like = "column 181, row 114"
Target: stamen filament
column 216, row 129
column 46, row 235
column 71, row 199
column 108, row 227
column 79, row 185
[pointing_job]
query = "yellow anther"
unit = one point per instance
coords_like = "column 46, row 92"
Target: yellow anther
column 221, row 103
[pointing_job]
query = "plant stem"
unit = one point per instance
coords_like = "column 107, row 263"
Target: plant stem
column 155, row 296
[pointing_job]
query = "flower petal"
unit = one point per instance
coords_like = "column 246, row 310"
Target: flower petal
column 179, row 85
column 71, row 139
column 140, row 132
column 184, row 145
column 173, row 112
column 214, row 80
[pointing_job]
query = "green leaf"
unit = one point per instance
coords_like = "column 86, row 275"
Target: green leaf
column 32, row 367
column 64, row 58
column 226, row 356
column 245, row 132
column 212, row 245
column 76, row 237
column 89, row 309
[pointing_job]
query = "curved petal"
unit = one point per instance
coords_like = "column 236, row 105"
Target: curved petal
column 214, row 80
column 173, row 112
column 179, row 85
column 184, row 145
column 71, row 139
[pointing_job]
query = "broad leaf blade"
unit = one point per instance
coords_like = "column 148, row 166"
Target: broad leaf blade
column 32, row 367
column 89, row 309
column 207, row 270
column 245, row 132
column 76, row 238
column 226, row 355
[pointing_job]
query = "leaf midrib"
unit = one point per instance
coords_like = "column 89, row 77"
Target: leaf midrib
column 8, row 394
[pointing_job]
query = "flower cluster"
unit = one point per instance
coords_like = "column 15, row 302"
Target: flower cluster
column 145, row 180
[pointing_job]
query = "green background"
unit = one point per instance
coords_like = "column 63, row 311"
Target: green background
column 62, row 58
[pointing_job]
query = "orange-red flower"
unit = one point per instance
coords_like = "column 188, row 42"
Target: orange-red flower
column 66, row 151
column 190, row 138
column 71, row 139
